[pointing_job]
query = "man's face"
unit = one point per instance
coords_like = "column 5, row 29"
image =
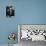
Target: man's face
column 10, row 11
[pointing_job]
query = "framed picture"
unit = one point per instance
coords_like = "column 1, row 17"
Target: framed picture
column 10, row 11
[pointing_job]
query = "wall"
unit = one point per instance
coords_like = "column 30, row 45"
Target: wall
column 27, row 12
column 31, row 11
